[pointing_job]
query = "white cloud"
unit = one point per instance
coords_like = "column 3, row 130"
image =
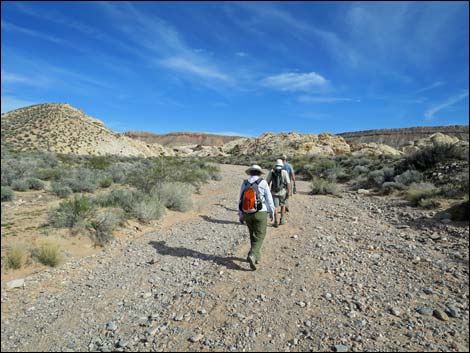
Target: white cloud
column 430, row 113
column 11, row 27
column 241, row 54
column 295, row 82
column 185, row 64
column 427, row 88
column 311, row 99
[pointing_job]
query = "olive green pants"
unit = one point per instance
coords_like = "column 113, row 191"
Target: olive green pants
column 257, row 223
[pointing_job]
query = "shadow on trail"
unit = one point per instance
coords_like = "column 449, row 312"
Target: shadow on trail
column 227, row 208
column 228, row 262
column 218, row 221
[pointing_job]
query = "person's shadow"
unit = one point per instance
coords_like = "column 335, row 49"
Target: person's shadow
column 218, row 221
column 228, row 262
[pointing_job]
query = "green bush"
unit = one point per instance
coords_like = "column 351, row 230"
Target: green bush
column 176, row 196
column 323, row 187
column 428, row 203
column 50, row 173
column 103, row 224
column 409, row 177
column 390, row 186
column 35, row 184
column 82, row 180
column 122, row 198
column 147, row 209
column 20, row 185
column 419, row 191
column 428, row 157
column 99, row 162
column 106, row 182
column 72, row 212
column 7, row 193
column 48, row 254
column 61, row 189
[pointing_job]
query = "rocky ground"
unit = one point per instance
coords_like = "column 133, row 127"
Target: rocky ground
column 357, row 273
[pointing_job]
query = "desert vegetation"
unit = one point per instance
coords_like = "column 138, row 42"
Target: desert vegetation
column 92, row 195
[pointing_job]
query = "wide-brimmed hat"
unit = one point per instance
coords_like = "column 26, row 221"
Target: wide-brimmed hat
column 280, row 163
column 284, row 157
column 254, row 167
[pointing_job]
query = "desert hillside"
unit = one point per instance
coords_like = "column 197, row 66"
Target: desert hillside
column 399, row 137
column 181, row 138
column 62, row 128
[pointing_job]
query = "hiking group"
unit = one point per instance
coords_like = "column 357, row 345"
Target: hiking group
column 260, row 198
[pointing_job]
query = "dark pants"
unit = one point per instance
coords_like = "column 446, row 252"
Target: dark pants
column 257, row 223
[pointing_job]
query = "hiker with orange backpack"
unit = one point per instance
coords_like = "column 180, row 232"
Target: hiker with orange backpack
column 279, row 182
column 255, row 203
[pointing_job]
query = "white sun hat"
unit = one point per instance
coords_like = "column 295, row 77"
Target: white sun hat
column 280, row 163
column 254, row 167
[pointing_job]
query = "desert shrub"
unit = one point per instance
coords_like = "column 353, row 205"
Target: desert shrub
column 428, row 203
column 20, row 185
column 7, row 193
column 428, row 157
column 103, row 224
column 176, row 196
column 35, row 184
column 106, row 182
column 147, row 209
column 71, row 213
column 336, row 173
column 419, row 191
column 409, row 177
column 16, row 257
column 119, row 171
column 61, row 189
column 48, row 254
column 360, row 169
column 322, row 186
column 390, row 186
column 82, row 180
column 122, row 198
column 49, row 159
column 99, row 162
column 360, row 182
column 50, row 173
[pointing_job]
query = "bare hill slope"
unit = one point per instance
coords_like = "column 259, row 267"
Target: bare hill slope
column 62, row 128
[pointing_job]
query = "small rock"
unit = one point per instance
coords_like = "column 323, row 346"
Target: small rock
column 111, row 326
column 340, row 348
column 16, row 283
column 395, row 312
column 425, row 311
column 428, row 290
column 440, row 315
column 301, row 304
column 452, row 311
column 196, row 338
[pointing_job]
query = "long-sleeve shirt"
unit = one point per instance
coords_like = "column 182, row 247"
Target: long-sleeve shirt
column 265, row 195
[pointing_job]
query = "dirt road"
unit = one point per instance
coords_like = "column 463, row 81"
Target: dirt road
column 356, row 273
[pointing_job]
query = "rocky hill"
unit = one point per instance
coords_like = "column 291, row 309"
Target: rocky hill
column 181, row 138
column 399, row 137
column 288, row 143
column 62, row 128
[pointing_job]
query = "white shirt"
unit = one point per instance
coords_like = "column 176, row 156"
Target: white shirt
column 265, row 195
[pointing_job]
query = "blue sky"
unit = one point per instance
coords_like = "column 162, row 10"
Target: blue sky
column 241, row 68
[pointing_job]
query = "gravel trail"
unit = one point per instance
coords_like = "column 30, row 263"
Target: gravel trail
column 349, row 273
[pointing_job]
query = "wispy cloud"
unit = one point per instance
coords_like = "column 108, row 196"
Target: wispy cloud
column 313, row 99
column 10, row 78
column 241, row 54
column 430, row 87
column 33, row 33
column 205, row 71
column 295, row 82
column 430, row 113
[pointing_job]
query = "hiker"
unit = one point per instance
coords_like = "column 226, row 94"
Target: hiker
column 279, row 181
column 290, row 171
column 255, row 203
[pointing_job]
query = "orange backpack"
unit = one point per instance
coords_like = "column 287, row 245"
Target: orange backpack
column 251, row 201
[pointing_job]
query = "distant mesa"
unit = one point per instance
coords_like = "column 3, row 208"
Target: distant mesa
column 61, row 128
column 181, row 138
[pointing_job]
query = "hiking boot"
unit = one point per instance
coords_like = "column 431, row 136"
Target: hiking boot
column 275, row 224
column 282, row 222
column 252, row 261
